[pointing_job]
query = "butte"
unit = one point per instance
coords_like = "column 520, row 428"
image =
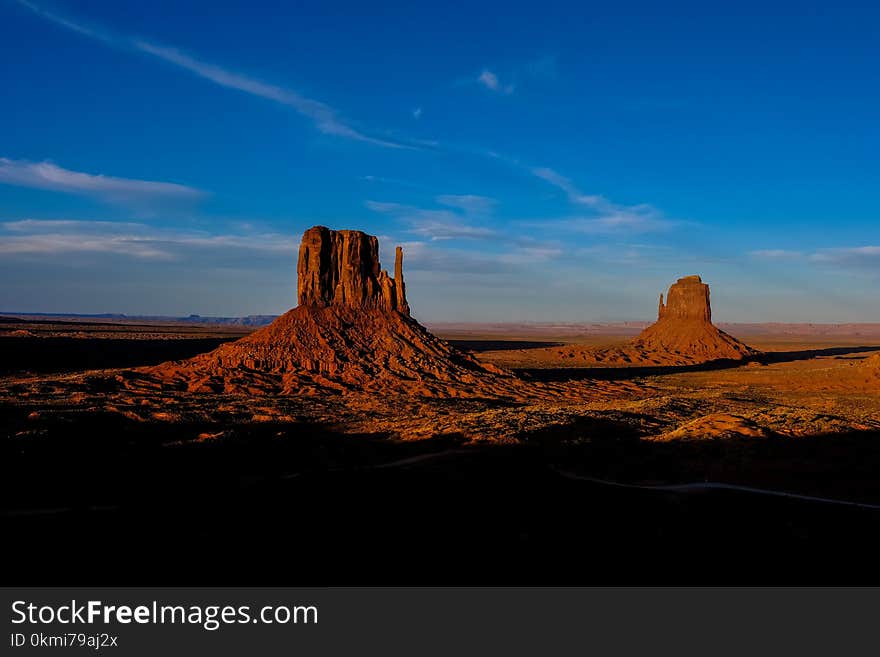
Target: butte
column 684, row 328
column 352, row 331
column 682, row 335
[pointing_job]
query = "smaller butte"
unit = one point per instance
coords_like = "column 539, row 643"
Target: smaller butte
column 684, row 329
column 682, row 335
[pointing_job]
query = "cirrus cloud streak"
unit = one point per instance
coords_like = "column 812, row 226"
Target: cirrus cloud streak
column 50, row 176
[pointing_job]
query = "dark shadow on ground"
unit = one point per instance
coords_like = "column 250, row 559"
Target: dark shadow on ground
column 807, row 354
column 839, row 465
column 622, row 373
column 626, row 373
column 103, row 501
column 45, row 355
column 478, row 346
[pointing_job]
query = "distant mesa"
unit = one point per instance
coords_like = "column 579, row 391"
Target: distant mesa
column 352, row 330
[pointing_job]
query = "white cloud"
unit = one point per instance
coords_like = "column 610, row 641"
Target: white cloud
column 609, row 217
column 530, row 255
column 857, row 256
column 325, row 118
column 46, row 175
column 417, row 113
column 29, row 237
column 469, row 204
column 540, row 68
column 393, row 181
column 52, row 225
column 574, row 194
column 490, row 80
column 437, row 229
column 422, row 256
column 499, row 253
column 617, row 222
column 462, row 222
column 67, row 243
column 776, row 254
column 94, row 33
column 432, row 224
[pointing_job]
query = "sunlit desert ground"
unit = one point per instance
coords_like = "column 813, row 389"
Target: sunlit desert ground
column 810, row 380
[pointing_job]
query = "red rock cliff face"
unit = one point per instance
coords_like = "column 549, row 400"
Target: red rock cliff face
column 688, row 299
column 341, row 268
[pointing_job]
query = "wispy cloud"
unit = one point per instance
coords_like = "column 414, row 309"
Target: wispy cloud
column 637, row 219
column 540, row 68
column 76, row 26
column 470, row 204
column 62, row 225
column 499, row 251
column 776, row 254
column 46, row 175
column 574, row 194
column 454, row 263
column 525, row 255
column 325, row 118
column 34, row 237
column 433, row 224
column 854, row 257
column 857, row 256
column 606, row 216
column 490, row 80
column 393, row 181
column 417, row 113
column 515, row 268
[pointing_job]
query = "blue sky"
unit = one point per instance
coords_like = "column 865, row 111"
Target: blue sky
column 537, row 161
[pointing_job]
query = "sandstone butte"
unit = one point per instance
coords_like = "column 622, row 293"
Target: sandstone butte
column 682, row 335
column 341, row 268
column 352, row 331
column 684, row 327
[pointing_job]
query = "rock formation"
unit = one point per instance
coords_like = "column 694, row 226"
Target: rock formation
column 684, row 331
column 687, row 300
column 682, row 335
column 341, row 268
column 351, row 331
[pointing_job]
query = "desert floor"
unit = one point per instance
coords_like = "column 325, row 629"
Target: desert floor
column 601, row 477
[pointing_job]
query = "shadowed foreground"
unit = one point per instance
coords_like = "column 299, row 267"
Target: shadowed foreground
column 104, row 484
column 110, row 501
